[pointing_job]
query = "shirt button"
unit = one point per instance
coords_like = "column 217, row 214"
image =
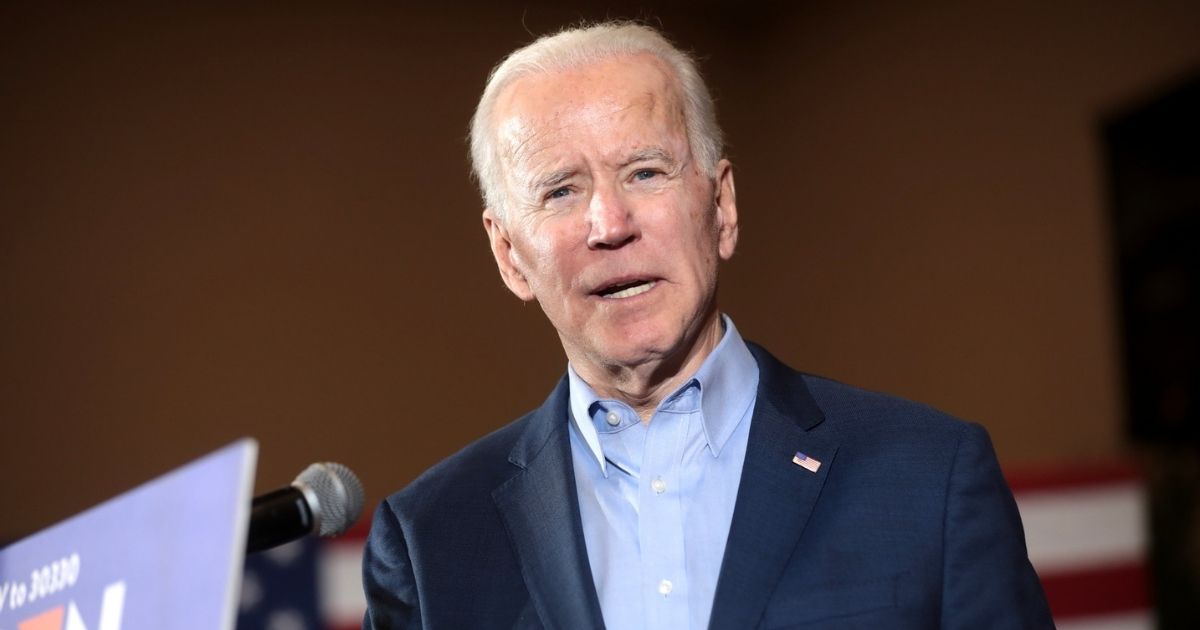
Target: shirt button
column 659, row 487
column 665, row 587
column 613, row 419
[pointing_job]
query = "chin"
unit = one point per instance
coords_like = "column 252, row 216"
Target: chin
column 637, row 347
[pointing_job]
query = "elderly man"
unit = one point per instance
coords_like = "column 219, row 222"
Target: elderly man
column 677, row 477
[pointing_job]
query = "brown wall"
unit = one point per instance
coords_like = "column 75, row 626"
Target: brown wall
column 228, row 222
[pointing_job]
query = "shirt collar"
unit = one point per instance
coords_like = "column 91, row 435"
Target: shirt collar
column 727, row 382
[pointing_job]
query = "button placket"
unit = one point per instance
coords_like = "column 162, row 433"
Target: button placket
column 661, row 523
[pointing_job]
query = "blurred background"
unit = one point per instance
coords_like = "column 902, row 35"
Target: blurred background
column 220, row 220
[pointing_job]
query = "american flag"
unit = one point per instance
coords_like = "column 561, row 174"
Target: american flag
column 1086, row 529
column 806, row 462
column 310, row 584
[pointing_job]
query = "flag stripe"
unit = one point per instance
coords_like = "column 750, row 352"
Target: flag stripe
column 1095, row 526
column 1137, row 620
column 1072, row 476
column 339, row 586
column 1119, row 588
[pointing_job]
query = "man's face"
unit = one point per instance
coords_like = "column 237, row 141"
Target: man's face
column 610, row 223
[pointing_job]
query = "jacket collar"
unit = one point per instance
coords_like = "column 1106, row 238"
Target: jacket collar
column 540, row 507
column 540, row 510
column 775, row 496
column 726, row 381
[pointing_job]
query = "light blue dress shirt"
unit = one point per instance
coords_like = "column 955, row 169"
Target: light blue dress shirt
column 657, row 498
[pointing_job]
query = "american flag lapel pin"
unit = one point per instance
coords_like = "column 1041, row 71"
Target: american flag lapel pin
column 806, row 462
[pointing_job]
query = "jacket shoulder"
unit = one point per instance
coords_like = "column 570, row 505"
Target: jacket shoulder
column 854, row 412
column 849, row 405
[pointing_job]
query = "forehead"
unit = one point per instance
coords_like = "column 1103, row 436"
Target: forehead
column 597, row 102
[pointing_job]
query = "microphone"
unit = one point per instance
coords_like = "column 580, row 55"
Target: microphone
column 325, row 500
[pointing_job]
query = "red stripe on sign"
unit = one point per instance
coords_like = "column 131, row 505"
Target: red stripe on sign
column 49, row 620
column 1121, row 588
column 1070, row 476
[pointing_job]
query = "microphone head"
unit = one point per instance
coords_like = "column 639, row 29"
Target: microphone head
column 334, row 495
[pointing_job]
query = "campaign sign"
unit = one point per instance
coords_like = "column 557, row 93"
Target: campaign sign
column 165, row 555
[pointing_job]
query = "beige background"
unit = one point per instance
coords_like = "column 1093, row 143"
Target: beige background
column 217, row 222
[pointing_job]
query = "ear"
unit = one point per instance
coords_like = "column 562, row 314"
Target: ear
column 725, row 200
column 506, row 257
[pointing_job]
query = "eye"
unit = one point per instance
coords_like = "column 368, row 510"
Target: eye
column 645, row 174
column 559, row 193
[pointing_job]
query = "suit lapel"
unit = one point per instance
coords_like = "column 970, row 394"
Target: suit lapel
column 540, row 510
column 775, row 496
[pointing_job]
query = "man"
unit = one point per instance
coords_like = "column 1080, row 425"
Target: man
column 677, row 477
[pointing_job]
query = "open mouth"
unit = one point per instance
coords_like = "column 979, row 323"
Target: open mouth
column 626, row 289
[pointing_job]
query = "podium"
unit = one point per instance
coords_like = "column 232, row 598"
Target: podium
column 166, row 555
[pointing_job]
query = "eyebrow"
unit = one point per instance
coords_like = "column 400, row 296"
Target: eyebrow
column 648, row 154
column 551, row 180
column 554, row 178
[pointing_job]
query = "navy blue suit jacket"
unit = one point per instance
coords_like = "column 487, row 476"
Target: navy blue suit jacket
column 908, row 523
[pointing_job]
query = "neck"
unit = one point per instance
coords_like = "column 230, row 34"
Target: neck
column 643, row 386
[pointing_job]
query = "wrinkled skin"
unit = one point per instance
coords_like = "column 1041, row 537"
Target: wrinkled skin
column 603, row 194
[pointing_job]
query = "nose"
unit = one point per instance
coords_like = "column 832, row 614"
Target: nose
column 610, row 220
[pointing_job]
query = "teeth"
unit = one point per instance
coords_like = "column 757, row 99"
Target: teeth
column 636, row 289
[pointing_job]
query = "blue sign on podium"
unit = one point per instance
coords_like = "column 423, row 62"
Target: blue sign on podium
column 166, row 555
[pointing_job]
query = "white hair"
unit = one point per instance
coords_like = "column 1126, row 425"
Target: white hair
column 574, row 47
